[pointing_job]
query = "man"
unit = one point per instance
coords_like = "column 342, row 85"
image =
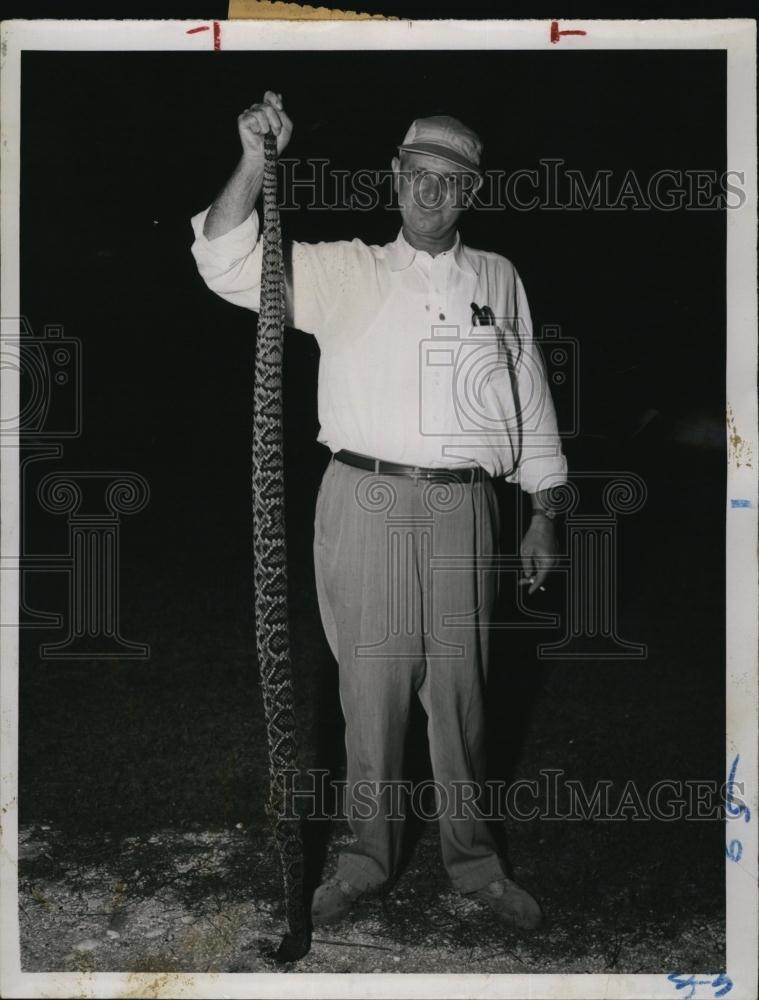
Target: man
column 429, row 385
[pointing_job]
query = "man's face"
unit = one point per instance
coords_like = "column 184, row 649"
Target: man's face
column 432, row 192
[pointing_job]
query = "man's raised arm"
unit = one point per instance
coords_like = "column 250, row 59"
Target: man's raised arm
column 239, row 195
column 227, row 247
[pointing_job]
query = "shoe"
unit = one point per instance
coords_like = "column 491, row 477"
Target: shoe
column 332, row 901
column 511, row 903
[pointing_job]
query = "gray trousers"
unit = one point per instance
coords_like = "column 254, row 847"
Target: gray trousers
column 406, row 612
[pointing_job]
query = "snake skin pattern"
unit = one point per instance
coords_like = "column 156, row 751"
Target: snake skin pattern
column 270, row 565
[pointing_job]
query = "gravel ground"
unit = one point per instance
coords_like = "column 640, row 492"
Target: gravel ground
column 206, row 901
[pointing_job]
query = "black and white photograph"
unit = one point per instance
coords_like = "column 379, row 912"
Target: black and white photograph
column 379, row 509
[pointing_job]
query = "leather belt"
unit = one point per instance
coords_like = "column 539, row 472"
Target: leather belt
column 475, row 474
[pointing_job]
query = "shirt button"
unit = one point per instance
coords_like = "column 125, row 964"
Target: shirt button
column 427, row 307
column 442, row 315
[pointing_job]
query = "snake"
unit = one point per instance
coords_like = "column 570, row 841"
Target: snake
column 270, row 568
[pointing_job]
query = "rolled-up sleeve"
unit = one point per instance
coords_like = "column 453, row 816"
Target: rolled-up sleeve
column 317, row 274
column 230, row 264
column 541, row 463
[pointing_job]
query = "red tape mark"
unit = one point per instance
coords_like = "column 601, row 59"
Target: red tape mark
column 194, row 31
column 557, row 35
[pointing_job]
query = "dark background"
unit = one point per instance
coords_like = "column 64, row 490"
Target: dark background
column 118, row 151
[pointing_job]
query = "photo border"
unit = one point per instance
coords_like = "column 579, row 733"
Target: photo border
column 738, row 38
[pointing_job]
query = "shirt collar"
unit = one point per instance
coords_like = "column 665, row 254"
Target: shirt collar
column 400, row 254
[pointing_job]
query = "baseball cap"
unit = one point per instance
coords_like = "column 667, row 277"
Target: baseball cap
column 446, row 137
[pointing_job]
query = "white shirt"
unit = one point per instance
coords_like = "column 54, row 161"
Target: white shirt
column 404, row 376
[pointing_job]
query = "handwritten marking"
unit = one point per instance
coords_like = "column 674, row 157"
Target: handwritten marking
column 216, row 34
column 557, row 35
column 734, row 850
column 733, row 808
column 721, row 983
column 740, row 503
